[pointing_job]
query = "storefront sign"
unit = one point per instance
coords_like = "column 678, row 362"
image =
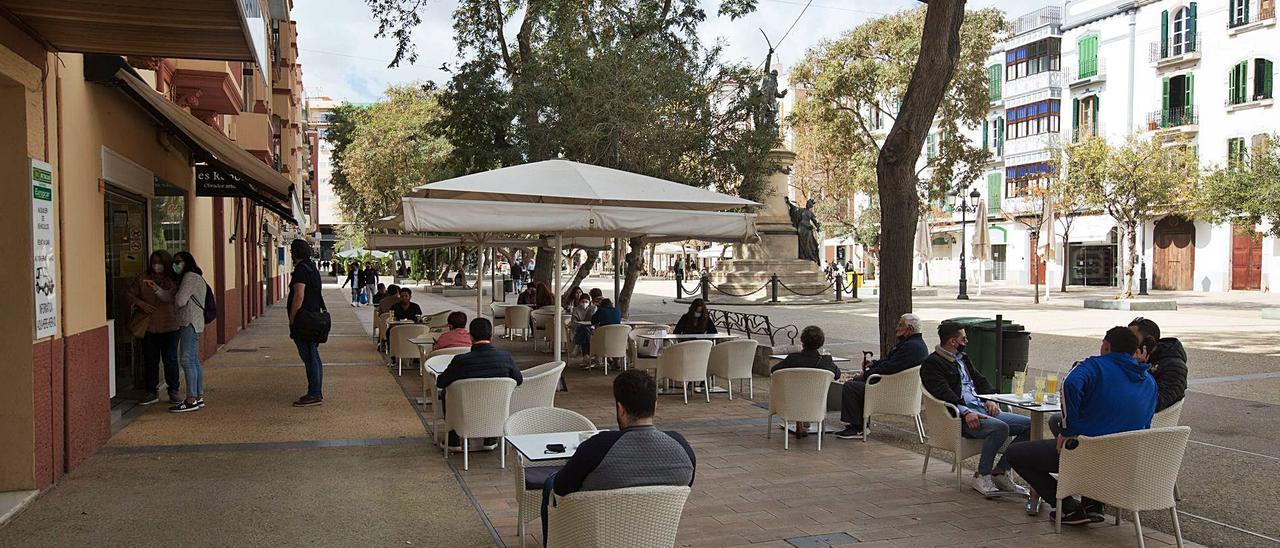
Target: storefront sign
column 42, row 246
column 211, row 181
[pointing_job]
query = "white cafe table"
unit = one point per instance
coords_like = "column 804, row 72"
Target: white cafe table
column 1039, row 415
column 534, row 446
column 689, row 337
column 836, row 359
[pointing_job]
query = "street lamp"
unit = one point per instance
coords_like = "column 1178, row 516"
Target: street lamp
column 965, row 207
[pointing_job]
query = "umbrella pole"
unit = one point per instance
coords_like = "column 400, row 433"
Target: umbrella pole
column 558, row 323
column 617, row 248
column 479, row 278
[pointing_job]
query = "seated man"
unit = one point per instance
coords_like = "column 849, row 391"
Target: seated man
column 949, row 376
column 1102, row 395
column 635, row 455
column 482, row 362
column 406, row 309
column 1167, row 359
column 457, row 335
column 389, row 300
column 811, row 340
column 380, row 293
column 606, row 314
column 909, row 352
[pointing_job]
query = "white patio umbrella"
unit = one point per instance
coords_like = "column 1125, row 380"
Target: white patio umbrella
column 1048, row 234
column 981, row 239
column 572, row 199
column 924, row 248
column 358, row 252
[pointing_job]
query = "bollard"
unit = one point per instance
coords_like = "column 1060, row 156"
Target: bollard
column 839, row 288
column 855, row 284
column 773, row 288
column 679, row 290
column 706, row 288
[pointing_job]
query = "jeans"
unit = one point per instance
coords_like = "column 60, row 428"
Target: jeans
column 1035, row 461
column 157, row 347
column 368, row 293
column 547, row 488
column 189, row 357
column 852, row 396
column 310, row 354
column 994, row 431
column 582, row 336
column 355, row 294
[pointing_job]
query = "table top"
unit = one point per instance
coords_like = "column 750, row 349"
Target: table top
column 437, row 368
column 423, row 340
column 534, row 446
column 624, row 322
column 689, row 336
column 836, row 359
column 1022, row 402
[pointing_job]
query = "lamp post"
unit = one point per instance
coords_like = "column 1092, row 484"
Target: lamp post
column 965, row 207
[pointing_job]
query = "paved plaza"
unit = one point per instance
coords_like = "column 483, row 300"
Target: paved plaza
column 251, row 470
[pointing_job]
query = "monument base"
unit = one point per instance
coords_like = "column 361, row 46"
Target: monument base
column 748, row 279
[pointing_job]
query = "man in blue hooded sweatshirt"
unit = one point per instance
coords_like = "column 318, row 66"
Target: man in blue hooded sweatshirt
column 1102, row 395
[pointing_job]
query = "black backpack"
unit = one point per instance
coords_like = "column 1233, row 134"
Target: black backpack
column 210, row 306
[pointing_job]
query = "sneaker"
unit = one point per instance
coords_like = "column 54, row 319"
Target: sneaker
column 1006, row 484
column 174, row 396
column 308, row 401
column 1077, row 517
column 1094, row 508
column 149, row 399
column 985, row 485
column 850, row 433
column 490, row 444
column 200, row 402
column 184, row 407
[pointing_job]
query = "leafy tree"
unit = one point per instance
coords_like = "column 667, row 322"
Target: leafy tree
column 343, row 121
column 1070, row 200
column 1034, row 209
column 1133, row 182
column 1246, row 188
column 915, row 70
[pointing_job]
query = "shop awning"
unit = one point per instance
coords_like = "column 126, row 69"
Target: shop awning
column 186, row 29
column 255, row 179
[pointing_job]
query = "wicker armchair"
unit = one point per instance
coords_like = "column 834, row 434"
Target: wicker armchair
column 1169, row 416
column 430, row 395
column 945, row 434
column 686, row 362
column 380, row 325
column 799, row 395
column 1133, row 470
column 610, row 341
column 497, row 311
column 517, row 319
column 634, row 517
column 478, row 408
column 538, row 388
column 896, row 394
column 538, row 420
column 401, row 348
column 543, row 321
column 733, row 360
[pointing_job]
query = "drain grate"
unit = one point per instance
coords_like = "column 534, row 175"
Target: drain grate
column 823, row 541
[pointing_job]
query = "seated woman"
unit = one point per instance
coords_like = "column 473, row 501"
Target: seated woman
column 543, row 296
column 696, row 321
column 457, row 335
column 811, row 341
column 606, row 314
column 582, row 313
column 571, row 300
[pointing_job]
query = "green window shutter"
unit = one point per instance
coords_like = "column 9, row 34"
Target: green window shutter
column 993, row 74
column 1088, row 49
column 1268, row 68
column 1245, row 4
column 993, row 192
column 1164, row 34
column 984, row 133
column 1164, row 109
column 1262, row 78
column 1233, row 85
column 932, row 146
column 1095, row 122
column 1191, row 29
column 1075, row 119
column 1191, row 95
column 1000, row 136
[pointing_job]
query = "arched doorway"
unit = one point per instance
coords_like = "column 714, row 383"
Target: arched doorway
column 1174, row 254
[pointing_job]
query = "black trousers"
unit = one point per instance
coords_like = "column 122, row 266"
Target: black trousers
column 158, row 347
column 851, row 397
column 1034, row 461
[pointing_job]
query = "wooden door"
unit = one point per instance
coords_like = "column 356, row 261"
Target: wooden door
column 1174, row 255
column 1031, row 258
column 1246, row 258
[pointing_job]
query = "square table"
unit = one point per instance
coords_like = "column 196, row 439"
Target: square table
column 1039, row 413
column 534, row 446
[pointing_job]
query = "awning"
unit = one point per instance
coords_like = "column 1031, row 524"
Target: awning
column 185, row 29
column 256, row 179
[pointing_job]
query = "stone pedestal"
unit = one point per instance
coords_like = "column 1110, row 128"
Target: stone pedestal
column 777, row 252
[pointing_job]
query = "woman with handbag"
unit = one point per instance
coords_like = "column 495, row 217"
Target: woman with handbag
column 189, row 298
column 308, row 320
column 154, row 322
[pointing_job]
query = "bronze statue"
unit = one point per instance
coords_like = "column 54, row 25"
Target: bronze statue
column 807, row 229
column 766, row 111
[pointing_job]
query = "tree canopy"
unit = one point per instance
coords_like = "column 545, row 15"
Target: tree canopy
column 1246, row 188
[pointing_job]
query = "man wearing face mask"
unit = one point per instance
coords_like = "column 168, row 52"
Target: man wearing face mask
column 909, row 352
column 949, row 376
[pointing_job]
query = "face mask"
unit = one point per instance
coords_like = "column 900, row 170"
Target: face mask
column 177, row 268
column 157, row 268
column 697, row 314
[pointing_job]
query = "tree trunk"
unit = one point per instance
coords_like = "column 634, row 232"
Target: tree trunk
column 1130, row 258
column 544, row 260
column 1066, row 256
column 896, row 164
column 1035, row 269
column 635, row 255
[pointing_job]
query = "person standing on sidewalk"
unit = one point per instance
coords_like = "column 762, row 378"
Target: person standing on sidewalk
column 369, row 280
column 304, row 294
column 189, row 301
column 355, row 280
column 161, row 339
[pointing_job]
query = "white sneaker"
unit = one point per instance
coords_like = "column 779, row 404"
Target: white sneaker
column 1006, row 484
column 986, row 486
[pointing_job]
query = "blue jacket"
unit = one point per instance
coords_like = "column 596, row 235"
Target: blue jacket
column 1107, row 394
column 607, row 315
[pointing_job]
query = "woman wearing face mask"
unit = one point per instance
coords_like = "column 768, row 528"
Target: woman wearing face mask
column 161, row 340
column 582, row 313
column 188, row 299
column 696, row 321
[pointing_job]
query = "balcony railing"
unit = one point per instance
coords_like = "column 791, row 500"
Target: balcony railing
column 1246, row 98
column 1161, row 51
column 1172, row 118
column 1051, row 15
column 1256, row 12
column 1095, row 69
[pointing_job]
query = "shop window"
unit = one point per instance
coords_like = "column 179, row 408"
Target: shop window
column 169, row 218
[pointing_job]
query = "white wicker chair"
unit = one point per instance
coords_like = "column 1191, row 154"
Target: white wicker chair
column 686, row 362
column 430, row 396
column 497, row 311
column 379, row 324
column 518, row 318
column 799, row 394
column 538, row 420
column 538, row 388
column 433, row 358
column 734, row 360
column 543, row 320
column 478, row 408
column 401, row 348
column 1169, row 416
column 945, row 434
column 896, row 394
column 634, row 517
column 1134, row 471
column 610, row 341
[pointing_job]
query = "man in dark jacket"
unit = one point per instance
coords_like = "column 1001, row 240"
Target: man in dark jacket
column 909, row 352
column 948, row 375
column 1167, row 358
column 482, row 362
column 811, row 340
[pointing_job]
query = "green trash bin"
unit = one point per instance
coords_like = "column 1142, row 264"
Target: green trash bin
column 982, row 349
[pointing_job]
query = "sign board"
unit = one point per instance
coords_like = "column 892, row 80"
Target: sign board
column 211, row 181
column 46, row 309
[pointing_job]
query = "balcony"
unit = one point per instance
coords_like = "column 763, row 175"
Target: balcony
column 1085, row 131
column 1165, row 55
column 1181, row 120
column 1051, row 15
column 253, row 133
column 208, row 87
column 1252, row 100
column 1258, row 15
column 1086, row 73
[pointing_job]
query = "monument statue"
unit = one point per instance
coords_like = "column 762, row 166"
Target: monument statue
column 807, row 229
column 766, row 109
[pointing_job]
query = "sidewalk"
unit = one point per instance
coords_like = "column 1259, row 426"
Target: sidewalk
column 250, row 469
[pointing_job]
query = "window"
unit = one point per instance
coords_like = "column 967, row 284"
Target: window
column 1262, row 72
column 1088, row 51
column 1034, row 119
column 1034, row 58
column 1236, row 152
column 1084, row 117
column 931, row 147
column 1238, row 84
column 1237, row 13
column 1018, row 178
column 993, row 75
column 1183, row 38
column 168, row 218
column 1178, row 102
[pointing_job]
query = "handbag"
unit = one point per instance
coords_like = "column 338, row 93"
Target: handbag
column 312, row 326
column 138, row 323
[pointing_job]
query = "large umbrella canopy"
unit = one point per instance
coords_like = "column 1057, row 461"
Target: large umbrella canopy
column 357, row 253
column 402, row 242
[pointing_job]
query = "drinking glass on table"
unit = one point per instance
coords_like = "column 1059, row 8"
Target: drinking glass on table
column 1019, row 383
column 1039, row 389
column 1051, row 383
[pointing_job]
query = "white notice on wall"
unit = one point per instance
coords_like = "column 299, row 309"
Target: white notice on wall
column 42, row 247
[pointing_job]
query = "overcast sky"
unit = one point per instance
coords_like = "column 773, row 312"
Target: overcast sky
column 341, row 59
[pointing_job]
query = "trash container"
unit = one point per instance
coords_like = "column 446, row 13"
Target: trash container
column 982, row 349
column 508, row 286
